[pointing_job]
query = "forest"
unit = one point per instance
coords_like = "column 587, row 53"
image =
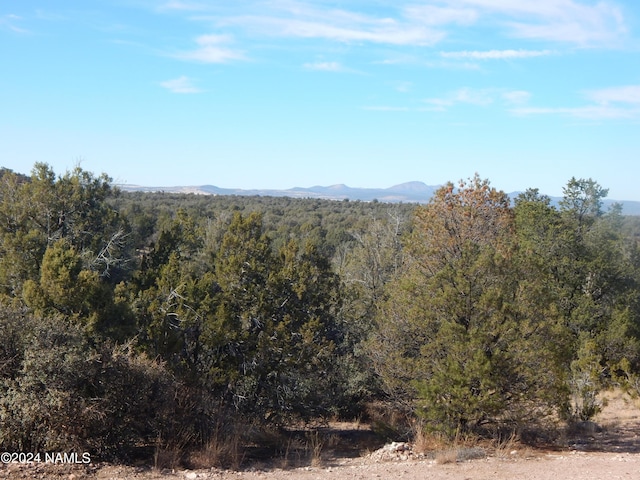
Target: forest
column 136, row 322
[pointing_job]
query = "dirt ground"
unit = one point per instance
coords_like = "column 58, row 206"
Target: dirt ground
column 608, row 449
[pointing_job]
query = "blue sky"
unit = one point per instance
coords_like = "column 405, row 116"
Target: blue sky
column 284, row 93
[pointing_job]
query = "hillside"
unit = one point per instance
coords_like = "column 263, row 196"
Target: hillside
column 408, row 192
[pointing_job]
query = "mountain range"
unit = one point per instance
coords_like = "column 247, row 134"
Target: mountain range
column 409, row 192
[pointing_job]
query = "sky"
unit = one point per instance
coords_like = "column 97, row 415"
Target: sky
column 296, row 93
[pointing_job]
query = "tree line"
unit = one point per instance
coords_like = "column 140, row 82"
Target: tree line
column 133, row 319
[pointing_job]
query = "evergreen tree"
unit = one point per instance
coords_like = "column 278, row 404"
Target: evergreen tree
column 452, row 338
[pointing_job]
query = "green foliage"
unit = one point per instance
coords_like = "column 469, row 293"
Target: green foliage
column 453, row 290
column 251, row 325
column 61, row 393
column 269, row 341
column 586, row 380
column 583, row 199
column 469, row 312
column 466, row 330
column 62, row 247
column 65, row 287
column 580, row 267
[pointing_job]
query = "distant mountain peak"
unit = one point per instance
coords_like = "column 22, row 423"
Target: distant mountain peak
column 416, row 192
column 413, row 187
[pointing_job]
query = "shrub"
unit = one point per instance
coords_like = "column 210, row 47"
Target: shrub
column 59, row 392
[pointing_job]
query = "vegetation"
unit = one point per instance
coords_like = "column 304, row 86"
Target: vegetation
column 134, row 322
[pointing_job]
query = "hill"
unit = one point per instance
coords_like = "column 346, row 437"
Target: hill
column 408, row 192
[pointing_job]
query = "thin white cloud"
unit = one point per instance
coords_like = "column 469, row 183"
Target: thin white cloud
column 590, row 112
column 439, row 104
column 324, row 66
column 49, row 16
column 437, row 16
column 616, row 103
column 452, row 65
column 625, row 94
column 396, row 25
column 516, row 97
column 472, row 96
column 402, row 58
column 181, row 84
column 404, row 87
column 329, row 67
column 435, row 107
column 545, row 8
column 383, row 108
column 565, row 21
column 212, row 49
column 407, row 23
column 566, row 32
column 181, row 6
column 608, row 103
column 382, row 31
column 496, row 54
column 8, row 22
column 479, row 97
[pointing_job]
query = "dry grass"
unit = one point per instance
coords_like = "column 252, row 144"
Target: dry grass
column 315, row 444
column 169, row 454
column 284, row 461
column 220, row 451
column 166, row 457
column 504, row 448
column 310, row 448
column 424, row 442
column 445, row 450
